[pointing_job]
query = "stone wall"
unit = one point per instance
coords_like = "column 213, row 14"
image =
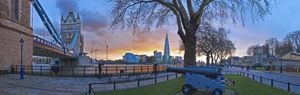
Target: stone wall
column 11, row 31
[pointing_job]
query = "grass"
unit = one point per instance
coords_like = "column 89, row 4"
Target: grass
column 243, row 86
column 246, row 86
column 170, row 87
column 259, row 69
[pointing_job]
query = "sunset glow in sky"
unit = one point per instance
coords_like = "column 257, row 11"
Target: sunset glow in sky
column 96, row 18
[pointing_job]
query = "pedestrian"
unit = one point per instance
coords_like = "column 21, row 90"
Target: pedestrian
column 100, row 69
column 55, row 67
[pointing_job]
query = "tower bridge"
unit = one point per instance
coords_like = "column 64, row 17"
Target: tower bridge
column 15, row 25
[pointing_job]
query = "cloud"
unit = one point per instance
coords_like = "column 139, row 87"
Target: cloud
column 139, row 43
column 67, row 5
column 93, row 21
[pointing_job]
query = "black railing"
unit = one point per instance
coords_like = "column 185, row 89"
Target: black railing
column 89, row 71
column 261, row 78
column 138, row 82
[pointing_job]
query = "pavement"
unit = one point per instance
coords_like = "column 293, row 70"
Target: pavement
column 10, row 84
column 293, row 79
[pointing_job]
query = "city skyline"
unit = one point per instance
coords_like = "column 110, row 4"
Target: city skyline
column 278, row 24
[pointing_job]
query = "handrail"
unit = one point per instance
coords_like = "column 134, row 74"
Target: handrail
column 248, row 75
column 91, row 90
column 44, row 42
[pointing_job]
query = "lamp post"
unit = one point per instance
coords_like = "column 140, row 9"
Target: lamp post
column 21, row 68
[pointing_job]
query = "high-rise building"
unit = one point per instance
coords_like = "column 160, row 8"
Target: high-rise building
column 131, row 58
column 166, row 50
column 178, row 60
column 157, row 57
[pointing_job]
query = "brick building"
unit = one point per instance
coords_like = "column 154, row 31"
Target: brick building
column 14, row 25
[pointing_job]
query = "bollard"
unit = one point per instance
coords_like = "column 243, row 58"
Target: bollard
column 272, row 82
column 289, row 86
column 260, row 78
column 176, row 74
column 114, row 85
column 90, row 88
column 155, row 79
column 247, row 75
column 253, row 77
column 167, row 77
column 138, row 82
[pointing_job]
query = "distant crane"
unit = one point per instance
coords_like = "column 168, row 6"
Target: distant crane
column 106, row 50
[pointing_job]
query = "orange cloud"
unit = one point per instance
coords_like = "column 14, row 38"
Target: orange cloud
column 138, row 43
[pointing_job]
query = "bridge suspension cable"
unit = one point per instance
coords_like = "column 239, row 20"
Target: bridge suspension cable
column 47, row 22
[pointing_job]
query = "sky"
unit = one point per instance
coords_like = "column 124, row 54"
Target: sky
column 96, row 18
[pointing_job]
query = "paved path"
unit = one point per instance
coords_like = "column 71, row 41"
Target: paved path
column 44, row 85
column 276, row 76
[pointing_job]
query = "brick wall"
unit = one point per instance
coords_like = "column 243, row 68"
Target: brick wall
column 11, row 31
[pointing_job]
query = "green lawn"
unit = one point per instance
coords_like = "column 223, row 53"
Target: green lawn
column 170, row 87
column 246, row 86
column 243, row 86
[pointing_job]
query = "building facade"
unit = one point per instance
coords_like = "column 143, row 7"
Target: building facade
column 157, row 57
column 131, row 58
column 166, row 55
column 15, row 25
column 71, row 30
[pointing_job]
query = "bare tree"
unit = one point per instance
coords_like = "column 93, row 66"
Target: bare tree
column 213, row 43
column 283, row 48
column 133, row 14
column 272, row 44
column 251, row 49
column 294, row 39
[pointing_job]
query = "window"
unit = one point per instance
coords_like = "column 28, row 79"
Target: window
column 16, row 9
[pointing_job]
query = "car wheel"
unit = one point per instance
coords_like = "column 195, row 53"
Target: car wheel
column 187, row 89
column 217, row 92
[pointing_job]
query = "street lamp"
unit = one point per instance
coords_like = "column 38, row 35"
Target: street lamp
column 21, row 68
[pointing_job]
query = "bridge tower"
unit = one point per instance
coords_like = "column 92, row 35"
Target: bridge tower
column 71, row 33
column 14, row 25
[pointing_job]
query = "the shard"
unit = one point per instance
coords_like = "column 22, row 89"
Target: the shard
column 166, row 50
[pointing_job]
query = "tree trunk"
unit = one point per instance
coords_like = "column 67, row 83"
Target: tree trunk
column 212, row 59
column 190, row 53
column 207, row 59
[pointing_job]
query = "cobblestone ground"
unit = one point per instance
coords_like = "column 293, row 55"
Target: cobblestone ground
column 293, row 79
column 44, row 85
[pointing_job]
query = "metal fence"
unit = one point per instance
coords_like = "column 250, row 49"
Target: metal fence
column 133, row 83
column 88, row 71
column 291, row 87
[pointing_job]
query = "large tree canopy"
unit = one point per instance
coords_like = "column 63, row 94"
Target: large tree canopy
column 134, row 14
